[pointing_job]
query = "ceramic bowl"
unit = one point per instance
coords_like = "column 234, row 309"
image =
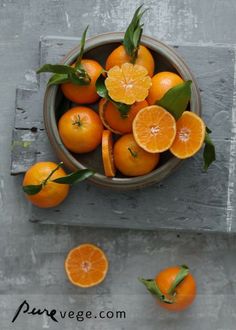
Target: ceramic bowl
column 55, row 105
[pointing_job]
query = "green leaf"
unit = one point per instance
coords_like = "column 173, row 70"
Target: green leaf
column 136, row 37
column 56, row 68
column 79, row 78
column 154, row 289
column 58, row 78
column 123, row 108
column 82, row 44
column 32, row 189
column 209, row 154
column 101, row 87
column 176, row 99
column 184, row 271
column 75, row 177
column 65, row 73
column 133, row 35
column 208, row 130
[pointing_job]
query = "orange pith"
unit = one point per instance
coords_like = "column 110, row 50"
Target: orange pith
column 87, row 93
column 128, row 84
column 161, row 83
column 119, row 56
column 154, row 129
column 107, row 154
column 52, row 193
column 189, row 136
column 86, row 265
column 112, row 119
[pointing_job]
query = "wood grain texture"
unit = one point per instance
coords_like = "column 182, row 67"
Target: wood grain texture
column 186, row 200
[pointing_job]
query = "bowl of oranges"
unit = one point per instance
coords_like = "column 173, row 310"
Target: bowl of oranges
column 125, row 105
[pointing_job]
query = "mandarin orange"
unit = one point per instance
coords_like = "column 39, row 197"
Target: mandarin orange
column 131, row 160
column 161, row 83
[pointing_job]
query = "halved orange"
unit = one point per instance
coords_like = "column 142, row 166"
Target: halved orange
column 107, row 154
column 128, row 83
column 114, row 121
column 190, row 135
column 86, row 265
column 154, row 129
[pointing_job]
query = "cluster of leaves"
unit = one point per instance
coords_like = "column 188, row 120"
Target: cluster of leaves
column 133, row 35
column 65, row 73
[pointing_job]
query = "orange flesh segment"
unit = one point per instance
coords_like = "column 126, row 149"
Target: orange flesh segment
column 86, row 265
column 154, row 129
column 107, row 154
column 189, row 137
column 128, row 84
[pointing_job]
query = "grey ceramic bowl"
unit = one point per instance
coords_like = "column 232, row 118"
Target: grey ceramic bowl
column 55, row 105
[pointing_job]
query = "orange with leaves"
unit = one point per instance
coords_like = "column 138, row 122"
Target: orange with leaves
column 84, row 93
column 47, row 185
column 131, row 50
column 174, row 288
column 78, row 80
column 46, row 193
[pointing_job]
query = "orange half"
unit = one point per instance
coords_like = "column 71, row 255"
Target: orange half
column 107, row 154
column 86, row 265
column 190, row 135
column 154, row 129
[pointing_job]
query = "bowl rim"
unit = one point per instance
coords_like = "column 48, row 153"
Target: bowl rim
column 64, row 154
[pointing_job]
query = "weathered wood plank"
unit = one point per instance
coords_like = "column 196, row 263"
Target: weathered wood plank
column 186, row 200
column 23, row 150
column 29, row 112
column 190, row 199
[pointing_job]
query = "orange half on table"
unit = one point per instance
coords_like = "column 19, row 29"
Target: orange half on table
column 86, row 265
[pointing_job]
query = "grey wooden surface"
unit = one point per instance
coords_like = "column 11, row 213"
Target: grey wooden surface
column 187, row 200
column 32, row 255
